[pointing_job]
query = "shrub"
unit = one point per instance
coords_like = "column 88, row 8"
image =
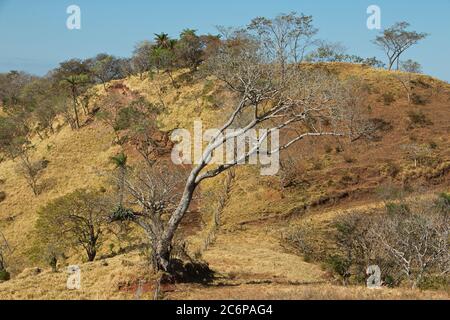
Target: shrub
column 418, row 119
column 4, row 275
column 388, row 98
column 2, row 196
column 340, row 266
column 392, row 169
column 418, row 99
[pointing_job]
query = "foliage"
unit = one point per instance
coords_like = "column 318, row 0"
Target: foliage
column 78, row 219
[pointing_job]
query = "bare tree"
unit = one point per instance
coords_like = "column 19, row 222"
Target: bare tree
column 266, row 93
column 395, row 40
column 31, row 170
column 286, row 37
column 408, row 68
column 155, row 190
column 417, row 241
column 79, row 220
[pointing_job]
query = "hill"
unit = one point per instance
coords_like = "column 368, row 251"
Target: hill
column 239, row 226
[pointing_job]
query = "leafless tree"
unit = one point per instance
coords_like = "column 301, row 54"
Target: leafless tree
column 154, row 191
column 286, row 37
column 395, row 40
column 417, row 241
column 267, row 93
column 30, row 170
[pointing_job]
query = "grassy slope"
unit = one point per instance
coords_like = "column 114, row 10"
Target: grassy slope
column 246, row 254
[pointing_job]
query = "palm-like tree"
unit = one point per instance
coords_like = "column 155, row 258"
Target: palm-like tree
column 163, row 40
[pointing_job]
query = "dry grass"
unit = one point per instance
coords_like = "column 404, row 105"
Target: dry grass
column 302, row 292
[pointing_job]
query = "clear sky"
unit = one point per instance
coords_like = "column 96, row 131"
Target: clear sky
column 34, row 37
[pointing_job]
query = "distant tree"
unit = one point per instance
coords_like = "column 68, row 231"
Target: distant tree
column 114, row 113
column 78, row 219
column 211, row 44
column 44, row 101
column 11, row 85
column 105, row 68
column 48, row 247
column 31, row 171
column 287, row 36
column 329, row 52
column 189, row 49
column 405, row 78
column 15, row 144
column 141, row 60
column 395, row 40
column 163, row 41
column 411, row 66
column 164, row 59
column 73, row 76
column 126, row 66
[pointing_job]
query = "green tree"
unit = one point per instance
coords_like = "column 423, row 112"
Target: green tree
column 105, row 68
column 394, row 41
column 189, row 49
column 78, row 219
column 74, row 77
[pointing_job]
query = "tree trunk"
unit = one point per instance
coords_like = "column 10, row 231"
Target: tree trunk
column 164, row 245
column 92, row 253
column 75, row 109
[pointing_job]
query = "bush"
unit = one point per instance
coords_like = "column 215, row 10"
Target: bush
column 388, row 98
column 418, row 99
column 418, row 119
column 340, row 266
column 4, row 275
column 409, row 242
column 2, row 196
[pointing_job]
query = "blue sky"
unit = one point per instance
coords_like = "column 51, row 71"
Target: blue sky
column 34, row 37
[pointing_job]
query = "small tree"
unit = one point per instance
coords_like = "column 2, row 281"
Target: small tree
column 395, row 40
column 79, row 219
column 15, row 144
column 113, row 111
column 408, row 68
column 31, row 170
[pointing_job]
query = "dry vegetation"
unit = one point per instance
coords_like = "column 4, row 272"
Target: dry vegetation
column 247, row 253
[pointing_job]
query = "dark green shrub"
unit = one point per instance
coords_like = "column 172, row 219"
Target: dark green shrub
column 340, row 266
column 4, row 275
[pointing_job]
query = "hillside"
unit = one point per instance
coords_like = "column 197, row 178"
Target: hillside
column 320, row 179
